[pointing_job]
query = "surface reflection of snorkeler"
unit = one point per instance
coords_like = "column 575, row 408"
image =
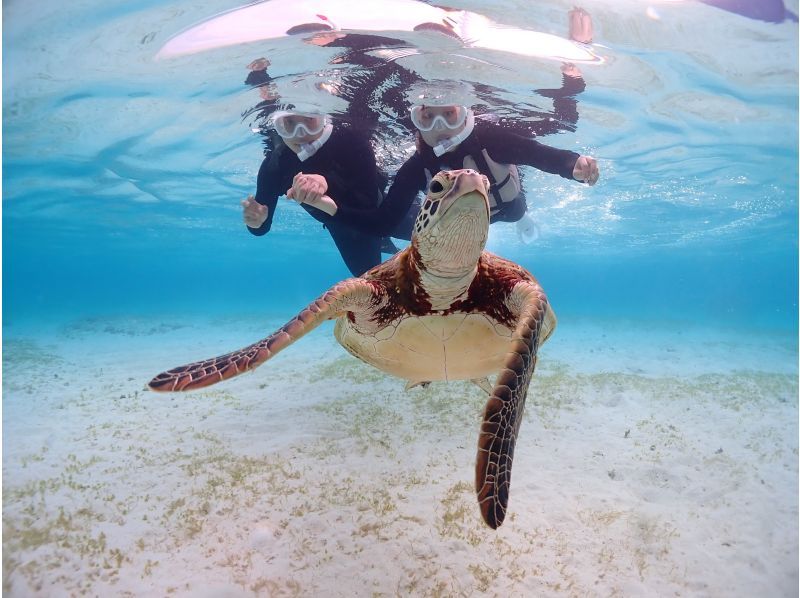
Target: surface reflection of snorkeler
column 313, row 154
column 564, row 116
column 449, row 137
column 375, row 85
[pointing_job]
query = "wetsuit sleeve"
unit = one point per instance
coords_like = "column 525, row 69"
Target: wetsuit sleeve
column 565, row 106
column 256, row 78
column 381, row 221
column 267, row 191
column 360, row 174
column 509, row 147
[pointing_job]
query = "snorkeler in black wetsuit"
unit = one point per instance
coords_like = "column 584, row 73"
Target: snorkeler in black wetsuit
column 311, row 145
column 451, row 138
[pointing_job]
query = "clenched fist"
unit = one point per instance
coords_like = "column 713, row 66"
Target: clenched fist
column 586, row 170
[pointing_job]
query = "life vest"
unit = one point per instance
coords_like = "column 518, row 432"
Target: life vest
column 504, row 180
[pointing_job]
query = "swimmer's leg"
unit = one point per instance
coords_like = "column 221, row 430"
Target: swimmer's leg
column 512, row 211
column 360, row 252
column 405, row 227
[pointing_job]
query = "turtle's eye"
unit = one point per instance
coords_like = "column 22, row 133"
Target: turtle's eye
column 436, row 187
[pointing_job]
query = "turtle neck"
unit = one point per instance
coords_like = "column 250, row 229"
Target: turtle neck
column 443, row 288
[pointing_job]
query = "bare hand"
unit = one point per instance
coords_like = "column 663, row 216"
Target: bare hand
column 259, row 64
column 581, row 28
column 586, row 170
column 570, row 70
column 254, row 213
column 308, row 188
column 323, row 38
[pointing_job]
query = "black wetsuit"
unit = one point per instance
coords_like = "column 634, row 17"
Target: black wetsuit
column 520, row 117
column 395, row 215
column 378, row 85
column 348, row 164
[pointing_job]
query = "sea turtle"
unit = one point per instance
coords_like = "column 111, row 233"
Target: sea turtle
column 441, row 309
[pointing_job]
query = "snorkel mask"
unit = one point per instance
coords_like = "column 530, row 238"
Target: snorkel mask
column 441, row 106
column 290, row 125
column 439, row 118
column 293, row 125
column 429, row 118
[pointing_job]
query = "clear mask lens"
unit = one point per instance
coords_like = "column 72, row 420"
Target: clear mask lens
column 429, row 118
column 291, row 125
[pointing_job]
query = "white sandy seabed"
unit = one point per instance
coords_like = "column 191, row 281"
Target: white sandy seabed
column 653, row 460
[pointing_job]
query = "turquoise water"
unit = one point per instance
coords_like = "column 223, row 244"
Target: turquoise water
column 675, row 280
column 122, row 175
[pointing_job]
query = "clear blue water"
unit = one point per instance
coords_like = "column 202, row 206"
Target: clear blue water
column 659, row 450
column 122, row 176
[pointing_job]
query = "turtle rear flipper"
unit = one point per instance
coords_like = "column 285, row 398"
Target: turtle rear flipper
column 352, row 294
column 502, row 415
column 483, row 384
column 423, row 383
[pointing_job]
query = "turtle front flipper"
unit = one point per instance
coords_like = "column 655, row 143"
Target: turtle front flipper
column 350, row 294
column 502, row 415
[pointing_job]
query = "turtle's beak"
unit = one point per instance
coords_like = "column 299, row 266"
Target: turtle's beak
column 474, row 201
column 452, row 244
column 471, row 192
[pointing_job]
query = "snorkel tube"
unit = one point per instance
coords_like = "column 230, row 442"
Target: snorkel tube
column 445, row 145
column 309, row 149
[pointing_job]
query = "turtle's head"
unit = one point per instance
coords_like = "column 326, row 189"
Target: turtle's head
column 451, row 228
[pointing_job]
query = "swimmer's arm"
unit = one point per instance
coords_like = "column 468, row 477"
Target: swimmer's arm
column 357, row 167
column 311, row 190
column 508, row 147
column 381, row 221
column 266, row 194
column 324, row 203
